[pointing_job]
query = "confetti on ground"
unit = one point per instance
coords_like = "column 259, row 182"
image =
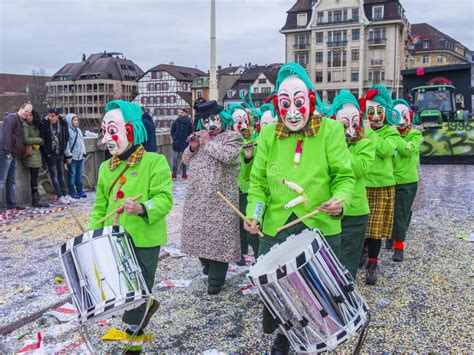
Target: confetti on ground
column 64, row 313
column 174, row 283
column 248, row 289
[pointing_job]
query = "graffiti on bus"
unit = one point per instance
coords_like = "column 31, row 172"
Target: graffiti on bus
column 453, row 138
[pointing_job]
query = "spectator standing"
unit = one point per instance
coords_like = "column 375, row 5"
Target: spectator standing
column 76, row 148
column 32, row 155
column 55, row 133
column 181, row 129
column 11, row 147
column 150, row 143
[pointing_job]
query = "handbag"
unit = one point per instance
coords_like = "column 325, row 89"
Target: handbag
column 27, row 150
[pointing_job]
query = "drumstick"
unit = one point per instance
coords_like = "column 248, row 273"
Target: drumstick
column 304, row 218
column 236, row 210
column 117, row 209
column 79, row 224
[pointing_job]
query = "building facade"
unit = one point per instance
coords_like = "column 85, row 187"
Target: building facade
column 349, row 44
column 165, row 89
column 432, row 47
column 84, row 88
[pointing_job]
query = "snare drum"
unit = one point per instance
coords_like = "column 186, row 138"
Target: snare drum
column 309, row 293
column 103, row 274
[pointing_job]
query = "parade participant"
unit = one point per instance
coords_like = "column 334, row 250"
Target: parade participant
column 130, row 172
column 267, row 115
column 405, row 172
column 377, row 108
column 345, row 109
column 244, row 125
column 210, row 228
column 302, row 164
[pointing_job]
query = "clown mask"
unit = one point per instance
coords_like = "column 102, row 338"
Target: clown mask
column 118, row 135
column 212, row 123
column 348, row 115
column 293, row 103
column 267, row 118
column 242, row 123
column 405, row 118
column 375, row 113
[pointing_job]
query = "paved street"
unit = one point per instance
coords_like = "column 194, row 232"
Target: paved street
column 422, row 304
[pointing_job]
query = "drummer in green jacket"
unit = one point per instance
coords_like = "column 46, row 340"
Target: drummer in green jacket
column 302, row 164
column 245, row 127
column 346, row 109
column 140, row 182
column 377, row 108
column 405, row 171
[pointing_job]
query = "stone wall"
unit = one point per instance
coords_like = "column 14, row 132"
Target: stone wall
column 91, row 169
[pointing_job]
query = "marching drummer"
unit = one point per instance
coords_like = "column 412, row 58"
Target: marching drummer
column 138, row 184
column 302, row 165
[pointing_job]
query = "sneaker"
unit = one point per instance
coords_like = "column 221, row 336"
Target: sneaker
column 371, row 273
column 281, row 345
column 63, row 200
column 185, row 177
column 397, row 255
column 82, row 195
column 74, row 195
column 174, row 176
column 389, row 243
column 241, row 262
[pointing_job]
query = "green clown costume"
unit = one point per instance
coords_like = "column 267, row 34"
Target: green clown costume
column 301, row 148
column 405, row 171
column 132, row 171
column 346, row 109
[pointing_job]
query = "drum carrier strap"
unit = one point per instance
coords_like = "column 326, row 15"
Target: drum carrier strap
column 118, row 178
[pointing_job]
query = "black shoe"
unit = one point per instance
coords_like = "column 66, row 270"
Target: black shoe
column 364, row 257
column 389, row 243
column 397, row 255
column 40, row 204
column 18, row 208
column 213, row 290
column 371, row 273
column 241, row 262
column 205, row 269
column 281, row 345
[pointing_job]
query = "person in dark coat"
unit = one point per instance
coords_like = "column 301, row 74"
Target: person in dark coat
column 11, row 148
column 150, row 144
column 181, row 129
column 55, row 133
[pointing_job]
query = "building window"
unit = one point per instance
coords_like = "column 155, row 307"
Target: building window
column 158, row 100
column 184, row 86
column 319, row 57
column 355, row 76
column 426, row 58
column 301, row 58
column 266, row 90
column 255, row 90
column 144, row 100
column 157, row 87
column 301, row 41
column 165, row 87
column 156, row 111
column 377, row 13
column 426, row 44
column 152, row 100
column 172, row 99
column 319, row 37
column 319, row 77
column 320, row 18
column 199, row 94
column 150, row 87
column 262, row 81
column 440, row 58
column 337, row 16
column 301, row 20
column 355, row 14
column 355, row 34
column 329, row 76
column 355, row 55
column 163, row 100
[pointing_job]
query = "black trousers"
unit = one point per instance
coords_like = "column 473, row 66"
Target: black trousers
column 404, row 196
column 352, row 241
column 245, row 238
column 217, row 271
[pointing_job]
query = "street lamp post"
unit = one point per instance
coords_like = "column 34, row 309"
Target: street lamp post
column 213, row 94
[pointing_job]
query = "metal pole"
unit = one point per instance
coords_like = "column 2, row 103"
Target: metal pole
column 213, row 93
column 361, row 48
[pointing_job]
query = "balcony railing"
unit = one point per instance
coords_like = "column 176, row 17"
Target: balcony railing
column 301, row 46
column 336, row 22
column 337, row 43
column 378, row 81
column 377, row 41
column 376, row 62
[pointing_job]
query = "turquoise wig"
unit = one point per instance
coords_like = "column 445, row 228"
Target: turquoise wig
column 226, row 119
column 132, row 113
column 400, row 101
column 384, row 98
column 342, row 98
column 248, row 104
column 294, row 69
column 266, row 107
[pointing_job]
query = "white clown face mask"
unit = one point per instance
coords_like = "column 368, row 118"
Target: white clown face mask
column 242, row 121
column 348, row 115
column 404, row 111
column 293, row 103
column 115, row 133
column 212, row 123
column 375, row 113
column 267, row 118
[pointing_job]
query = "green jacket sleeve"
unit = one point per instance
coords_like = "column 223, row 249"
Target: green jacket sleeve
column 411, row 145
column 363, row 157
column 258, row 188
column 101, row 201
column 27, row 138
column 226, row 153
column 339, row 161
column 160, row 191
column 384, row 147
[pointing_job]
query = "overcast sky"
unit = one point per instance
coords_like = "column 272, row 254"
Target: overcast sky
column 47, row 34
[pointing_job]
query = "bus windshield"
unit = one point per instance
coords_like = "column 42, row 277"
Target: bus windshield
column 433, row 100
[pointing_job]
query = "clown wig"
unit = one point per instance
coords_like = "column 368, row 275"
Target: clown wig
column 132, row 113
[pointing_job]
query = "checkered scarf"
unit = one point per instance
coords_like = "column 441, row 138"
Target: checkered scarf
column 310, row 130
column 132, row 160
